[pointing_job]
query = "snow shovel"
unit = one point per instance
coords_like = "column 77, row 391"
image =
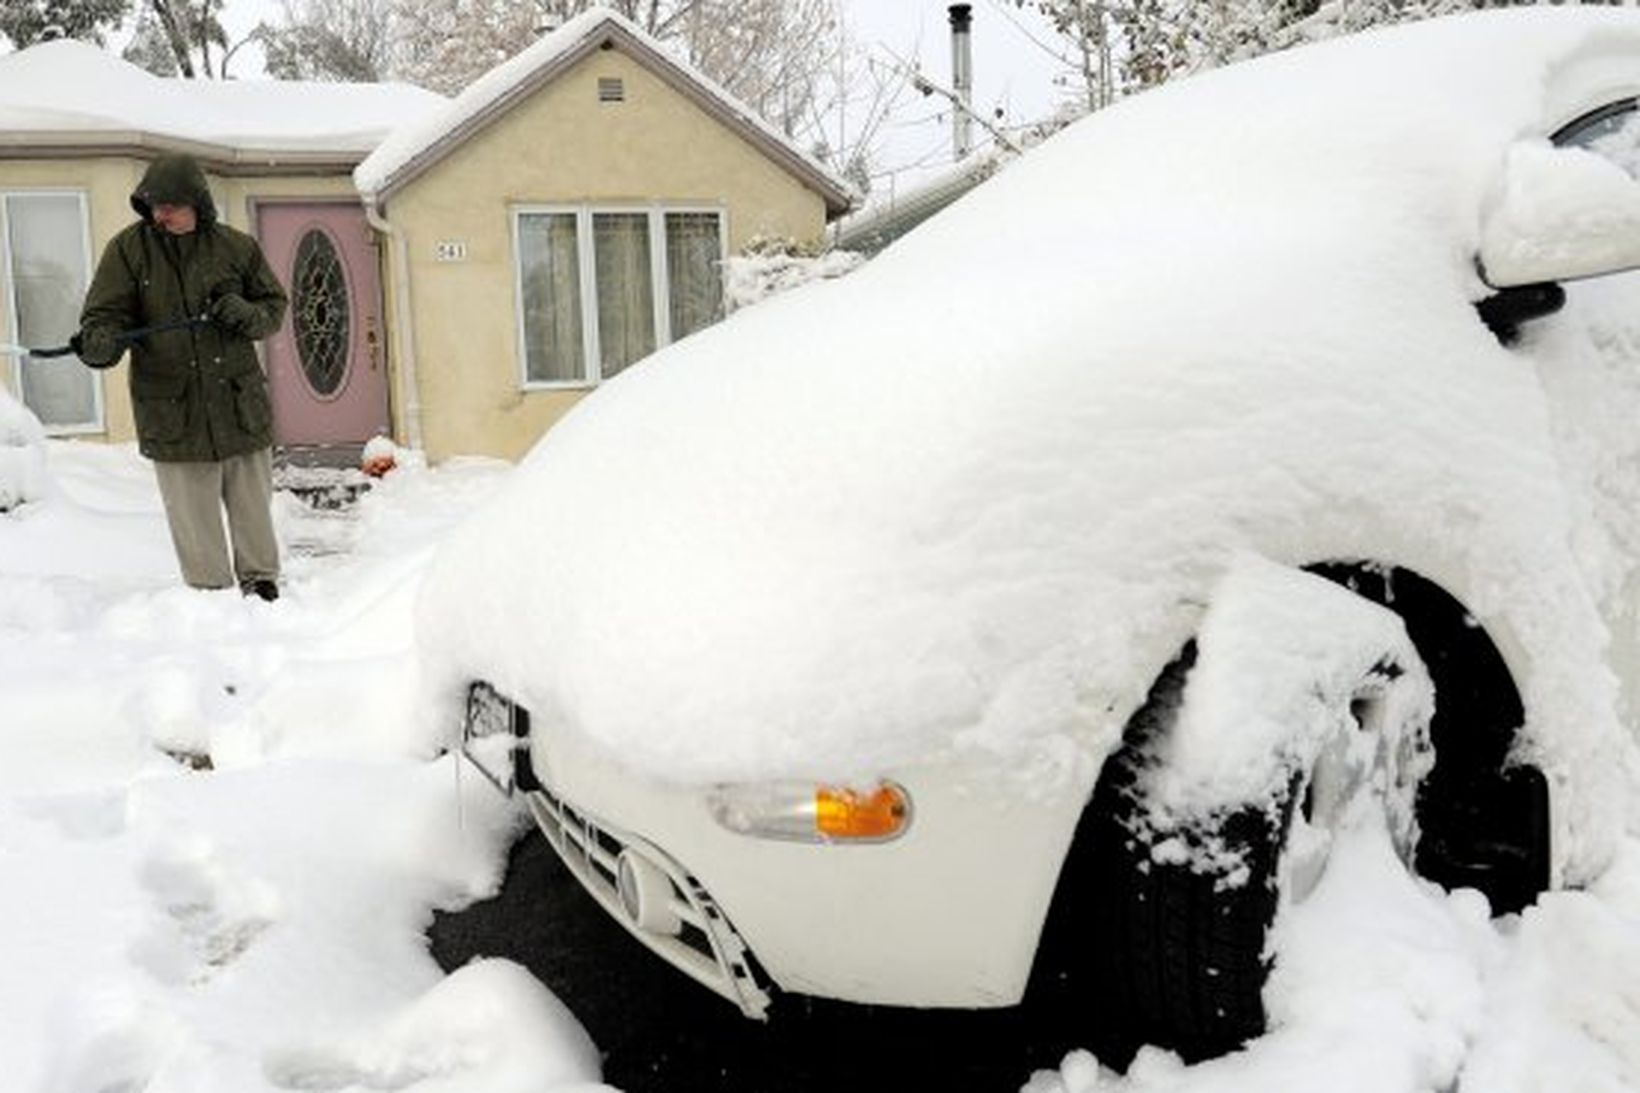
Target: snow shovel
column 122, row 339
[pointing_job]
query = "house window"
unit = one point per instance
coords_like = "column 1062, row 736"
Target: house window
column 601, row 288
column 626, row 289
column 694, row 256
column 549, row 255
column 47, row 263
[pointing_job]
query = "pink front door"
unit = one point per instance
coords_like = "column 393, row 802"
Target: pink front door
column 327, row 366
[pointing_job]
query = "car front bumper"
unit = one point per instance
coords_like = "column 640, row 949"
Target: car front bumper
column 947, row 915
column 694, row 935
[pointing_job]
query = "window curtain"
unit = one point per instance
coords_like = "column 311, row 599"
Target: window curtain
column 551, row 258
column 46, row 266
column 626, row 290
column 694, row 269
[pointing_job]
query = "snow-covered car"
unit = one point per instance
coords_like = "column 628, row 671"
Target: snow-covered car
column 1022, row 615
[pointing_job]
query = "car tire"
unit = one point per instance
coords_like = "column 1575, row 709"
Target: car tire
column 1157, row 952
column 1174, row 961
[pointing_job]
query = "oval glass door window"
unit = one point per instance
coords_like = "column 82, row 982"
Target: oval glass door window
column 319, row 301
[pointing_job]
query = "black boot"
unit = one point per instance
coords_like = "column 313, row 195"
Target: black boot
column 262, row 587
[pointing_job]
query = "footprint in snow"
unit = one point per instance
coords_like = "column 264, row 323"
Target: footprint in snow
column 213, row 912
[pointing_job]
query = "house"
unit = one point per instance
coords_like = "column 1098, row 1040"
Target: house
column 462, row 270
column 561, row 218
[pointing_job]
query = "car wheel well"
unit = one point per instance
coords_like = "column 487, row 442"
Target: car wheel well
column 1484, row 817
column 1172, row 926
column 1478, row 709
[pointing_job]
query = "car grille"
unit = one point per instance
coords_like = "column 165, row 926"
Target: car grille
column 705, row 946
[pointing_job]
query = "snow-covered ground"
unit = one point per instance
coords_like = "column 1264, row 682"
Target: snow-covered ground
column 259, row 926
column 22, row 453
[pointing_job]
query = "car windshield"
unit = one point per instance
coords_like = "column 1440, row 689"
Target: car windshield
column 1613, row 131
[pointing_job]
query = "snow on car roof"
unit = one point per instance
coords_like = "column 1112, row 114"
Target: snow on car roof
column 70, row 90
column 974, row 495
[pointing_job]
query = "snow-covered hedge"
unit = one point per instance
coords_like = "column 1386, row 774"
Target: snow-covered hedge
column 768, row 266
column 22, row 454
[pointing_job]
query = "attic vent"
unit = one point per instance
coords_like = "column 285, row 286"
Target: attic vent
column 611, row 89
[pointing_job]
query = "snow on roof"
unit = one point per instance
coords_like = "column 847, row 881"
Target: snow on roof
column 72, row 93
column 910, row 197
column 417, row 145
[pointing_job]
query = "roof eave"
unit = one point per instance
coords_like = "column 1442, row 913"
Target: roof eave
column 838, row 197
column 220, row 159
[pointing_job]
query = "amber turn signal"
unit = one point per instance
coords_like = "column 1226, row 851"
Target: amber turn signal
column 810, row 813
column 842, row 813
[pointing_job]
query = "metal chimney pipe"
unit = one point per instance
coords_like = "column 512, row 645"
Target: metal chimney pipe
column 962, row 79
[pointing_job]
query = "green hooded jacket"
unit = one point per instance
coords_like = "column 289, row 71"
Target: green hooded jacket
column 198, row 392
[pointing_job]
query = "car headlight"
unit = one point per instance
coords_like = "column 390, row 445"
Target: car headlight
column 806, row 812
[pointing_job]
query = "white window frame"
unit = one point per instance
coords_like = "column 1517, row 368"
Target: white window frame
column 99, row 423
column 660, row 280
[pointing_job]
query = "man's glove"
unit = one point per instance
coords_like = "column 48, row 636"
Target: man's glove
column 233, row 313
column 97, row 347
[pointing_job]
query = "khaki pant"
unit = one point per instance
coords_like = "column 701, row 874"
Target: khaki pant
column 195, row 495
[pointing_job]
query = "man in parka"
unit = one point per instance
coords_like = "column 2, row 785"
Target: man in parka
column 197, row 390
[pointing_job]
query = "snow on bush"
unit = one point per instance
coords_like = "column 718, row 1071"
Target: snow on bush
column 381, row 456
column 22, row 454
column 769, row 266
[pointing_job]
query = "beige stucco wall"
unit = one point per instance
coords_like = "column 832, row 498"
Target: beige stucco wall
column 107, row 182
column 560, row 147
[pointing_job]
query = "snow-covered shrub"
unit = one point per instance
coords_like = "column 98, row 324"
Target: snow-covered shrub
column 769, row 265
column 22, row 453
column 379, row 457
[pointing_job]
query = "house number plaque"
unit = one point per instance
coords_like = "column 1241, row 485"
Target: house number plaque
column 450, row 250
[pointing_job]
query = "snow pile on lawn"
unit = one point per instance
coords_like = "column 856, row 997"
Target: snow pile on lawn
column 259, row 926
column 977, row 493
column 22, row 454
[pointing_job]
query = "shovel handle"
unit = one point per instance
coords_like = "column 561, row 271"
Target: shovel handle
column 123, row 338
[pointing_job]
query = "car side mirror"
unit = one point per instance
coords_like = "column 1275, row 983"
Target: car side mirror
column 1559, row 214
